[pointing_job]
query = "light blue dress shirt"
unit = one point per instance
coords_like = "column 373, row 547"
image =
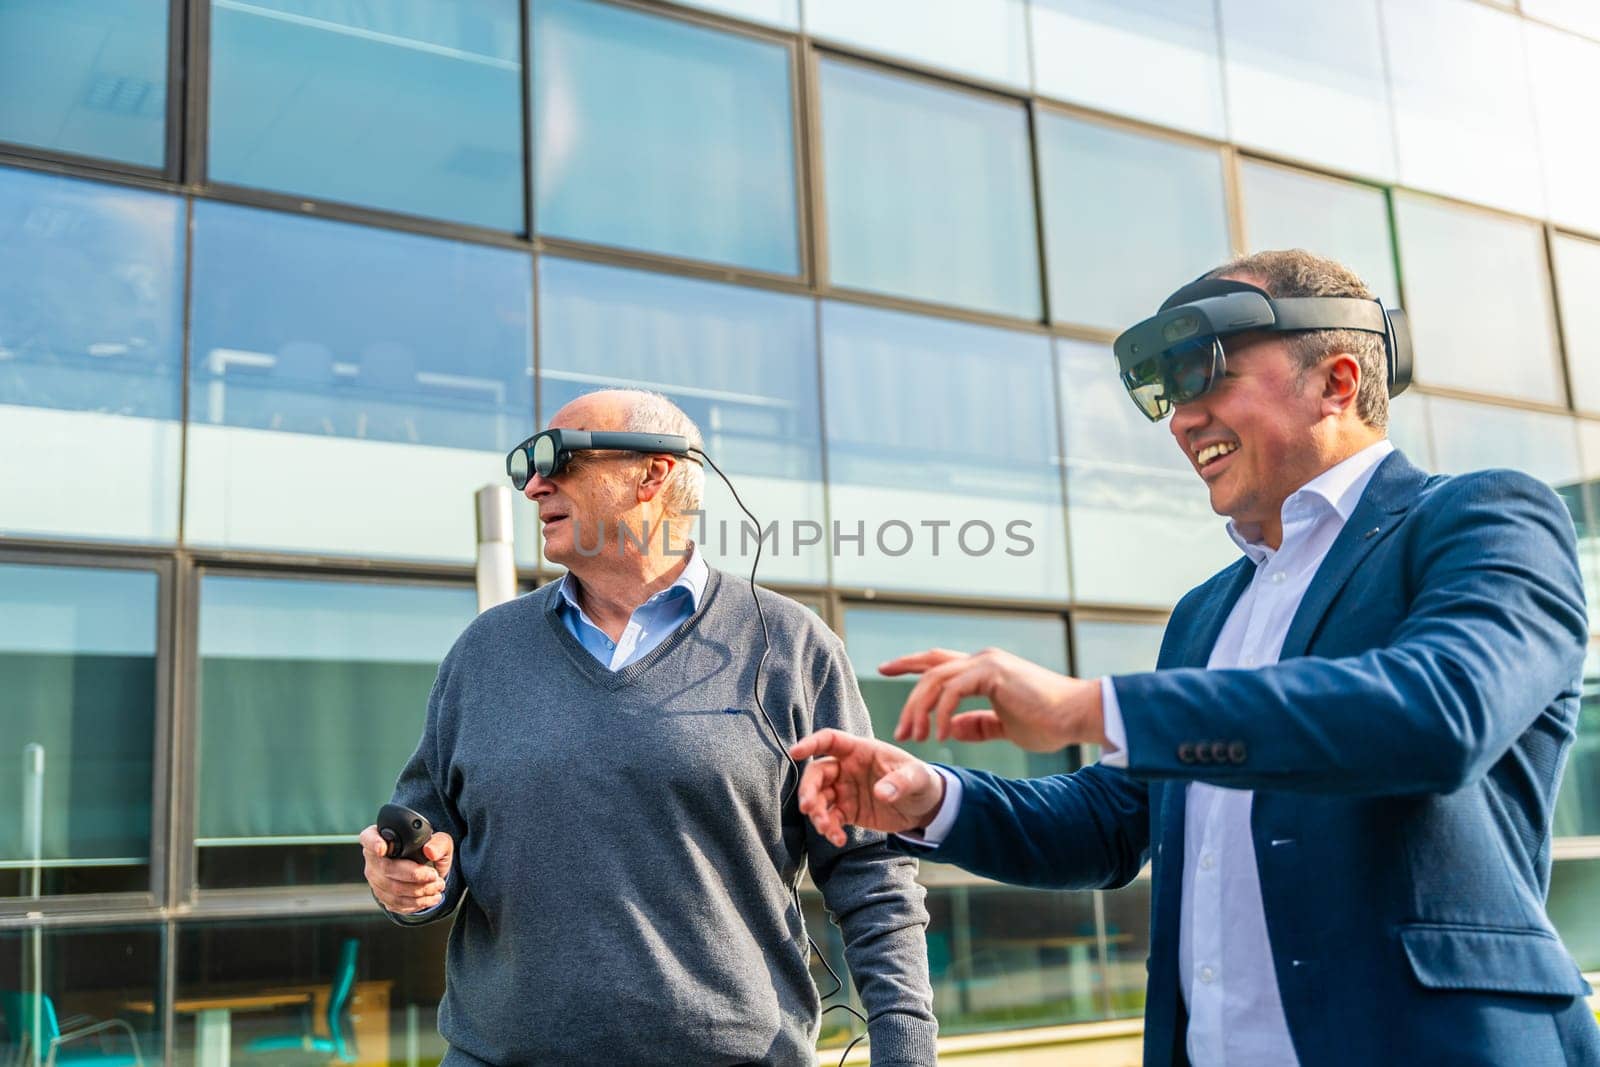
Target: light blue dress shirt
column 651, row 623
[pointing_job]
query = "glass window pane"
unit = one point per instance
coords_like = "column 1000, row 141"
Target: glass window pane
column 691, row 154
column 379, row 377
column 1574, row 887
column 1150, row 59
column 77, row 728
column 312, row 696
column 411, row 105
column 988, row 39
column 91, row 304
column 942, row 456
column 742, row 363
column 1577, row 264
column 1307, row 81
column 1566, row 83
column 1408, row 428
column 1589, row 528
column 1342, row 220
column 1579, row 16
column 1128, row 944
column 264, row 991
column 1140, row 518
column 1127, row 219
column 1466, row 89
column 873, row 635
column 86, row 77
column 59, row 982
column 1478, row 292
column 1578, row 804
column 929, row 192
column 1102, row 647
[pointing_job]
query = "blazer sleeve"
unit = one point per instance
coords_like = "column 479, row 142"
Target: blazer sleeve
column 1085, row 830
column 1495, row 634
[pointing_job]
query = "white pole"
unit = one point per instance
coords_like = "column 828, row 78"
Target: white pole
column 497, row 565
column 33, row 847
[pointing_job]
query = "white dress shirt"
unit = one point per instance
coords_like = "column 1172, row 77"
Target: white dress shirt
column 1225, row 965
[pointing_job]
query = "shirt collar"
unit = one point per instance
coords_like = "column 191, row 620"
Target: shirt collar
column 693, row 580
column 1338, row 488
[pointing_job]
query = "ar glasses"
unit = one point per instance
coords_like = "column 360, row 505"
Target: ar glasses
column 1176, row 355
column 547, row 452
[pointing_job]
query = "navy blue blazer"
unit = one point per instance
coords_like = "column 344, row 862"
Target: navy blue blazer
column 1405, row 753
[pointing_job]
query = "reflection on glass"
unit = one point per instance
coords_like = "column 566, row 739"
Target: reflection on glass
column 353, row 989
column 1574, row 887
column 379, row 377
column 1127, row 947
column 1577, row 265
column 691, row 154
column 1589, row 531
column 1408, row 428
column 1150, row 59
column 312, row 697
column 929, row 192
column 412, row 105
column 1003, row 959
column 1566, row 83
column 1127, row 219
column 1102, row 647
column 1466, row 89
column 92, row 992
column 1307, row 81
column 942, row 456
column 1141, row 523
column 85, row 77
column 1341, row 220
column 1578, row 804
column 1478, row 292
column 77, row 728
column 873, row 635
column 91, row 294
column 740, row 362
column 986, row 40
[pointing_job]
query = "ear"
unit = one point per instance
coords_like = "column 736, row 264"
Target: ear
column 1341, row 383
column 655, row 477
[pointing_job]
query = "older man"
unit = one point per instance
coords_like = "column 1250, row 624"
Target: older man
column 1343, row 773
column 612, row 833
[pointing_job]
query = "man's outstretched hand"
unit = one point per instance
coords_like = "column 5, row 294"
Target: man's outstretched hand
column 860, row 781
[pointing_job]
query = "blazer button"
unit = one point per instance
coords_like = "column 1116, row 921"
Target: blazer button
column 1236, row 752
column 1186, row 753
column 1202, row 752
column 1219, row 751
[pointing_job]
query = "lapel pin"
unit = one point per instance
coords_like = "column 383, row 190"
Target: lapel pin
column 1368, row 535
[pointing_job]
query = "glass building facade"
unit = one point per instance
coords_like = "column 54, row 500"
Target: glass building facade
column 280, row 281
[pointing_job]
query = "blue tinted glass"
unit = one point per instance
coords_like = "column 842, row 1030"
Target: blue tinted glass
column 740, row 362
column 410, row 105
column 91, row 285
column 350, row 387
column 934, row 422
column 1127, row 219
column 929, row 192
column 690, row 153
column 85, row 76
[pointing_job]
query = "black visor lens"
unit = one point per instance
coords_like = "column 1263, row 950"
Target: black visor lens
column 517, row 467
column 1190, row 368
column 1148, row 389
column 544, row 456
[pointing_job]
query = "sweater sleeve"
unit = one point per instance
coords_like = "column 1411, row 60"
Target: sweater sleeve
column 420, row 789
column 872, row 894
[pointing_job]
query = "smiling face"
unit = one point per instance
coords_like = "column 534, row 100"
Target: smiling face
column 1257, row 435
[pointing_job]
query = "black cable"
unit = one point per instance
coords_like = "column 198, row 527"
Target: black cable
column 766, row 649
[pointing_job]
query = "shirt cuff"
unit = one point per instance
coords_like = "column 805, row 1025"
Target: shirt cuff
column 933, row 835
column 1116, row 750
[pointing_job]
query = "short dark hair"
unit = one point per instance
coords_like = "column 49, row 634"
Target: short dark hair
column 1296, row 272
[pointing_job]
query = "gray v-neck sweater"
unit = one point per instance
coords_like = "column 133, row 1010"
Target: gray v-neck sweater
column 623, row 872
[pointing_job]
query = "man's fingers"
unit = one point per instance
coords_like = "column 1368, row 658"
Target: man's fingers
column 980, row 725
column 818, row 778
column 913, row 725
column 373, row 844
column 825, row 742
column 917, row 662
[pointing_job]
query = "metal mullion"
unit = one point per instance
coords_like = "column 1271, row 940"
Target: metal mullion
column 927, row 309
column 803, row 105
column 268, row 564
column 185, row 749
column 177, row 80
column 1233, row 201
column 1451, row 393
column 161, row 764
column 1121, row 614
column 662, row 262
column 816, row 187
column 191, row 169
column 529, row 207
column 944, row 77
column 111, row 911
column 1113, row 120
column 1040, row 233
column 1563, row 349
column 86, row 168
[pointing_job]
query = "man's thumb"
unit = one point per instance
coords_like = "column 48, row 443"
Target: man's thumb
column 908, row 788
column 438, row 850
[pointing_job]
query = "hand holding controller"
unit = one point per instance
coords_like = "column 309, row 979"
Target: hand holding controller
column 407, row 863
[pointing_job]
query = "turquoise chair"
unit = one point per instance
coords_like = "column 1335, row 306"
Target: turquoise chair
column 18, row 1009
column 338, row 1042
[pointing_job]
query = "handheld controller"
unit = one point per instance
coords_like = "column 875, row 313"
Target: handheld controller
column 404, row 831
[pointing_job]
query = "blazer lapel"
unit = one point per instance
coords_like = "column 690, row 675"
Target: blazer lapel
column 1392, row 490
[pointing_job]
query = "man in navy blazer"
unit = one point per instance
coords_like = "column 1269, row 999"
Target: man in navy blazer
column 1343, row 769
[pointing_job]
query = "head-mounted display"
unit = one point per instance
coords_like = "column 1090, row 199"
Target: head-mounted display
column 547, row 451
column 1177, row 354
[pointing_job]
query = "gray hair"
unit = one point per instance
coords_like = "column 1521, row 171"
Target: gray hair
column 650, row 412
column 1296, row 272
